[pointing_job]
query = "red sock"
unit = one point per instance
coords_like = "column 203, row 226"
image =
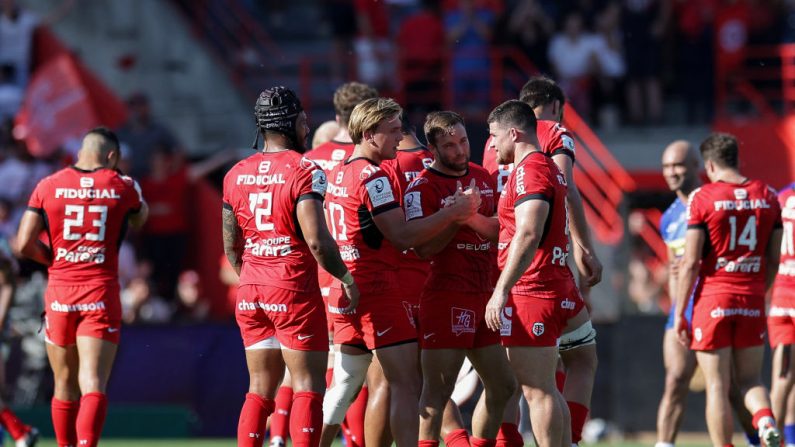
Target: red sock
column 353, row 425
column 64, row 421
column 428, row 443
column 251, row 427
column 281, row 416
column 329, row 377
column 91, row 418
column 13, row 425
column 579, row 414
column 480, row 442
column 307, row 420
column 764, row 412
column 560, row 380
column 509, row 436
column 456, row 438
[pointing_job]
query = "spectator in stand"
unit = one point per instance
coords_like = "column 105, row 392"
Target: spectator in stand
column 16, row 40
column 142, row 134
column 420, row 42
column 231, row 279
column 139, row 304
column 611, row 66
column 374, row 53
column 192, row 307
column 341, row 16
column 167, row 190
column 468, row 31
column 19, row 172
column 11, row 94
column 527, row 27
column 572, row 53
column 694, row 24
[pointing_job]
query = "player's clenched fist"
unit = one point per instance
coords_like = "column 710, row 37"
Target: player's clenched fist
column 352, row 293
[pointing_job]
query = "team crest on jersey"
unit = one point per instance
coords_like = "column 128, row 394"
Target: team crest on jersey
column 462, row 320
column 86, row 182
column 307, row 164
column 740, row 194
column 426, row 162
column 319, row 182
column 413, row 203
column 568, row 142
column 380, row 192
column 698, row 334
column 368, row 172
column 538, row 329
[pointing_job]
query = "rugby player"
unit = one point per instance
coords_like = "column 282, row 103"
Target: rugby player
column 680, row 166
column 369, row 226
column 453, row 300
column 85, row 210
column 732, row 242
column 275, row 236
column 535, row 297
column 781, row 322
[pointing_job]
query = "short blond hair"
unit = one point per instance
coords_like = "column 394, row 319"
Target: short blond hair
column 368, row 114
column 348, row 95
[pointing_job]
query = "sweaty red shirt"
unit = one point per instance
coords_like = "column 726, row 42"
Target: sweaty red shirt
column 331, row 153
column 553, row 138
column 85, row 213
column 786, row 266
column 466, row 263
column 537, row 177
column 358, row 190
column 738, row 220
column 263, row 191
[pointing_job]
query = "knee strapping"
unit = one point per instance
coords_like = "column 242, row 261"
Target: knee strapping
column 349, row 374
column 582, row 336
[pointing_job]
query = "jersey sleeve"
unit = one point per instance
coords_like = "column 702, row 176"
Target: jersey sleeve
column 696, row 217
column 379, row 193
column 558, row 141
column 134, row 198
column 530, row 184
column 36, row 202
column 311, row 181
column 227, row 191
column 420, row 200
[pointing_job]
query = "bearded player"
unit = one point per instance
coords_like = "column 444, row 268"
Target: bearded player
column 275, row 236
column 85, row 209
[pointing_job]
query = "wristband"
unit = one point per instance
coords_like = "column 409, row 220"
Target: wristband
column 347, row 279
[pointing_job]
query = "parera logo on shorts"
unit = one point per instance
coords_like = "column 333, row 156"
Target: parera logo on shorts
column 462, row 320
column 538, row 329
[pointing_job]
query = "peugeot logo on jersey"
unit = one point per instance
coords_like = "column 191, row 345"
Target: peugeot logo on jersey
column 86, row 182
column 740, row 194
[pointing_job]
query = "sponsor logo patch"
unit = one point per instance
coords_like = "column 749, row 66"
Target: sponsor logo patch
column 413, row 203
column 380, row 192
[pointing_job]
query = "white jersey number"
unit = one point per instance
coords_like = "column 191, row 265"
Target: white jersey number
column 261, row 205
column 75, row 216
column 747, row 236
column 787, row 242
column 338, row 228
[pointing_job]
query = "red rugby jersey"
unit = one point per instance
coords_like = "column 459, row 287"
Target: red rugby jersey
column 786, row 267
column 537, row 177
column 331, row 153
column 466, row 264
column 553, row 138
column 263, row 191
column 738, row 220
column 358, row 190
column 85, row 213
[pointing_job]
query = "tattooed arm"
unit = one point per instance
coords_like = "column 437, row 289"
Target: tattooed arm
column 233, row 239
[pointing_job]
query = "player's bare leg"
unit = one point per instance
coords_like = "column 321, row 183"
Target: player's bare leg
column 509, row 435
column 781, row 382
column 451, row 419
column 581, row 363
column 680, row 364
column 350, row 369
column 440, row 369
column 308, row 372
column 265, row 371
column 279, row 421
column 402, row 371
column 499, row 383
column 535, row 370
column 66, row 398
column 744, row 416
column 748, row 373
column 716, row 366
column 377, row 432
column 95, row 363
